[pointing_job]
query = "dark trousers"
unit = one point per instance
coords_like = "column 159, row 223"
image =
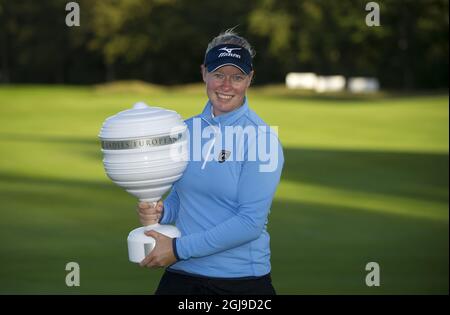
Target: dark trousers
column 181, row 284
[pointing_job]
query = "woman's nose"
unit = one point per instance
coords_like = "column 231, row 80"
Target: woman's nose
column 227, row 82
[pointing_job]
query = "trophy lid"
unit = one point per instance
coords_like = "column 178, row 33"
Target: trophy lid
column 141, row 121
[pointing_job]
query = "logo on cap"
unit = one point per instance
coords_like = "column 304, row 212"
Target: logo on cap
column 229, row 52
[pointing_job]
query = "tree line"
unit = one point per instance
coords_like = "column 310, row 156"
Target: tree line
column 164, row 41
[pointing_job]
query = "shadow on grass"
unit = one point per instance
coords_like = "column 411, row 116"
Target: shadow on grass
column 405, row 174
column 46, row 223
column 323, row 249
column 89, row 147
column 281, row 92
column 55, row 182
column 51, row 139
column 412, row 175
column 316, row 248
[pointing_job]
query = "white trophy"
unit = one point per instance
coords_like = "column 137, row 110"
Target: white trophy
column 145, row 152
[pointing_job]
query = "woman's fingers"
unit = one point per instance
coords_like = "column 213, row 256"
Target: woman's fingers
column 149, row 211
column 148, row 214
column 150, row 205
column 143, row 205
column 149, row 219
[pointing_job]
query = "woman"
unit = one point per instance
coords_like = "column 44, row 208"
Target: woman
column 222, row 202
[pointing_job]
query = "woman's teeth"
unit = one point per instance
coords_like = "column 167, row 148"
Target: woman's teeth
column 223, row 96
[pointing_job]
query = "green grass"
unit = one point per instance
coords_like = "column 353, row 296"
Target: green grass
column 365, row 179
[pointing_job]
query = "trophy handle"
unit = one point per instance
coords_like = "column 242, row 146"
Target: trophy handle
column 140, row 245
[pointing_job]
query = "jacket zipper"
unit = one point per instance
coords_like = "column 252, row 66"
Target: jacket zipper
column 212, row 143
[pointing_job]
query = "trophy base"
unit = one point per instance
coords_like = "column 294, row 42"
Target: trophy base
column 140, row 245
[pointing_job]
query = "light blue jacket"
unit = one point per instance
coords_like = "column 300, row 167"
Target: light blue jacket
column 222, row 202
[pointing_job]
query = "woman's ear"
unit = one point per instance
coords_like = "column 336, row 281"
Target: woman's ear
column 203, row 71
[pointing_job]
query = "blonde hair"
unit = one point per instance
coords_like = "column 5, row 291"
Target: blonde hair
column 230, row 37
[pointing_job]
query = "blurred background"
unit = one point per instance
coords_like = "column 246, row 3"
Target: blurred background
column 366, row 172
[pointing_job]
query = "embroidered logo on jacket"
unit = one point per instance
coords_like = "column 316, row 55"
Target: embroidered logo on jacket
column 223, row 155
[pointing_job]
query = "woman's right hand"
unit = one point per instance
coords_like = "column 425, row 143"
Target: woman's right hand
column 148, row 214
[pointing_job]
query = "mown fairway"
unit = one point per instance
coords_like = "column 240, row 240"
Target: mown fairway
column 365, row 179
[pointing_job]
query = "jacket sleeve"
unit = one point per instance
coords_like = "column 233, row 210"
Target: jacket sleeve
column 171, row 207
column 256, row 189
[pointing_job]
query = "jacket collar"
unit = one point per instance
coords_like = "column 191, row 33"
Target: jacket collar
column 226, row 119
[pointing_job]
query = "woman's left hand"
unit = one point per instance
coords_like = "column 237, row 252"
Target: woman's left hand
column 162, row 254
